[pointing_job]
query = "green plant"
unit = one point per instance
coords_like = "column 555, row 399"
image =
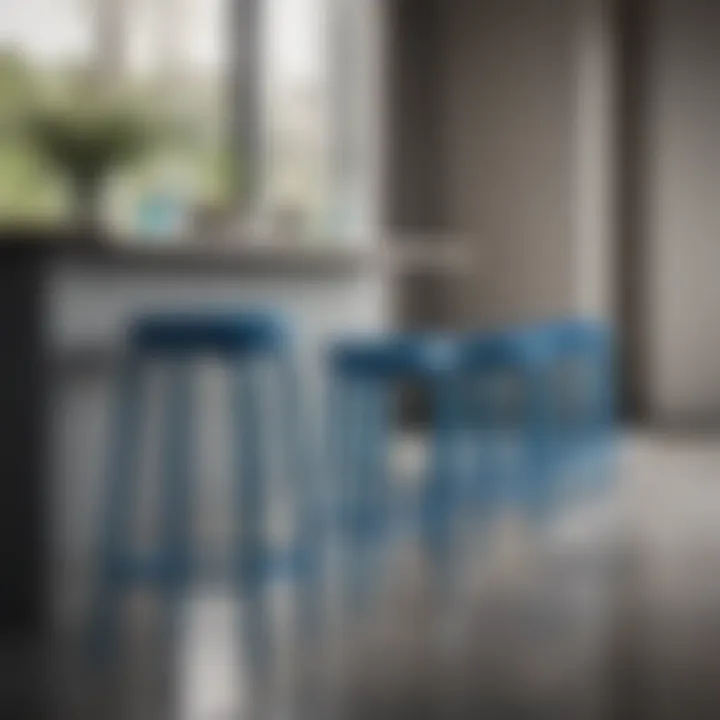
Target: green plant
column 85, row 141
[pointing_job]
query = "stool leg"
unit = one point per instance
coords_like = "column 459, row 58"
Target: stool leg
column 350, row 454
column 249, row 563
column 175, row 567
column 607, row 417
column 440, row 490
column 305, row 498
column 486, row 463
column 335, row 503
column 538, row 473
column 364, row 486
column 374, row 478
column 111, row 578
column 307, row 491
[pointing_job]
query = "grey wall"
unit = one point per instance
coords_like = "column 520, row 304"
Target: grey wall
column 501, row 133
column 527, row 88
column 512, row 130
column 507, row 87
column 682, row 206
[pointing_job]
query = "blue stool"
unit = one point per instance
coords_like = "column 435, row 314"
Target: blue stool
column 589, row 344
column 538, row 358
column 582, row 415
column 505, row 376
column 245, row 343
column 363, row 374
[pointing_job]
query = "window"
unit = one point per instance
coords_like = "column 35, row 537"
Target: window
column 272, row 100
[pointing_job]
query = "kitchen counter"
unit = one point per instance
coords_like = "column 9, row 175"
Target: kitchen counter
column 399, row 254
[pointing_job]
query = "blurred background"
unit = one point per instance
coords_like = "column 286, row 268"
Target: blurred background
column 362, row 166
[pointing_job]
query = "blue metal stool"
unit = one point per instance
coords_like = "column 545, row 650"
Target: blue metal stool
column 506, row 404
column 244, row 342
column 363, row 374
column 538, row 358
column 582, row 382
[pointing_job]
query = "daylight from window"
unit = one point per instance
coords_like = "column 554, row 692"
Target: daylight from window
column 128, row 103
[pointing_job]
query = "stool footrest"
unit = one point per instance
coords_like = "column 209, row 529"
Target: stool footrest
column 262, row 566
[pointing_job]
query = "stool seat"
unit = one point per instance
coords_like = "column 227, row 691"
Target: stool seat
column 397, row 356
column 506, row 348
column 225, row 333
column 573, row 335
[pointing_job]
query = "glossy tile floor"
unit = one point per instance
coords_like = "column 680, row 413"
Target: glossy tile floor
column 636, row 637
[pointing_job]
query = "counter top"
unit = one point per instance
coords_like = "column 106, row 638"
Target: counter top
column 404, row 254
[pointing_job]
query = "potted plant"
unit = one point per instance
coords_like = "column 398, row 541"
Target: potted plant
column 85, row 142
